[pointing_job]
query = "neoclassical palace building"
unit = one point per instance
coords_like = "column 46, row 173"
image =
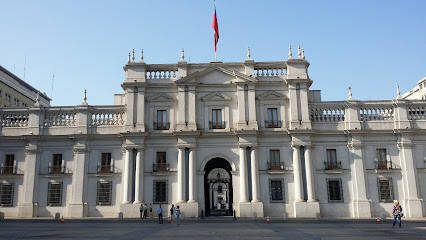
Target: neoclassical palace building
column 249, row 137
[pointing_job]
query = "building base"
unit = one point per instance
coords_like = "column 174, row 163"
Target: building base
column 361, row 209
column 413, row 208
column 251, row 209
column 189, row 209
column 306, row 209
column 27, row 210
column 77, row 210
column 130, row 210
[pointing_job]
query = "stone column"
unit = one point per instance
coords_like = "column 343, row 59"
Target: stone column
column 76, row 208
column 255, row 175
column 360, row 204
column 310, row 171
column 126, row 177
column 26, row 205
column 297, row 172
column 181, row 109
column 192, row 176
column 181, row 175
column 243, row 175
column 139, row 177
column 413, row 205
column 192, row 110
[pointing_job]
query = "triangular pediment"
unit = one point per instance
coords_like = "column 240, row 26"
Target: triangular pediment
column 272, row 95
column 216, row 96
column 216, row 75
column 161, row 97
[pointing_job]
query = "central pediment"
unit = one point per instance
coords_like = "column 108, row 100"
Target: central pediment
column 215, row 75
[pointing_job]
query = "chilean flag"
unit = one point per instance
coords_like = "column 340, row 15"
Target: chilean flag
column 215, row 26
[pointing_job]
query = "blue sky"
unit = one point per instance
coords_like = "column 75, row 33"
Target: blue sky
column 371, row 45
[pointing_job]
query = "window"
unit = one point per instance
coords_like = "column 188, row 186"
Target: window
column 272, row 121
column 385, row 189
column 104, row 193
column 56, row 166
column 335, row 191
column 331, row 160
column 160, row 191
column 8, row 164
column 216, row 122
column 54, row 194
column 276, row 190
column 381, row 158
column 6, row 194
column 274, row 160
column 24, row 105
column 7, row 96
column 161, row 120
column 17, row 102
column 161, row 165
column 105, row 166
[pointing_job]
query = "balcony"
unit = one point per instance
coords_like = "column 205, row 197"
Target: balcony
column 8, row 170
column 217, row 125
column 56, row 169
column 161, row 126
column 386, row 165
column 272, row 124
column 333, row 166
column 161, row 167
column 275, row 166
column 105, row 168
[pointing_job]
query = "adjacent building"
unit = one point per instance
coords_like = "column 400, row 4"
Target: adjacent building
column 250, row 137
column 16, row 93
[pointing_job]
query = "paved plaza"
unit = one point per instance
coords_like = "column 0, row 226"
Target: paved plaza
column 211, row 228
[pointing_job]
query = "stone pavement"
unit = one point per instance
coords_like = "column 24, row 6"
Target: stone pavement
column 210, row 228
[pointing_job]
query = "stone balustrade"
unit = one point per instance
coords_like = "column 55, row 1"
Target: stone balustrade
column 270, row 69
column 14, row 118
column 417, row 112
column 107, row 116
column 373, row 111
column 162, row 71
column 58, row 117
column 333, row 112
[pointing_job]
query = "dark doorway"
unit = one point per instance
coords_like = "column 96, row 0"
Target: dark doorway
column 218, row 192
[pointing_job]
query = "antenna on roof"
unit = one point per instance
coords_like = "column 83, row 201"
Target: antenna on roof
column 51, row 93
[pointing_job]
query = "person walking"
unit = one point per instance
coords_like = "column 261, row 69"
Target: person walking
column 145, row 210
column 160, row 214
column 178, row 214
column 141, row 210
column 151, row 214
column 397, row 213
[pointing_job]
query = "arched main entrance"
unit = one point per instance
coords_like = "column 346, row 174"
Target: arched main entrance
column 218, row 192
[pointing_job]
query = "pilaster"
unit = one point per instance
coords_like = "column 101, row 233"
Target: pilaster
column 361, row 207
column 79, row 181
column 413, row 206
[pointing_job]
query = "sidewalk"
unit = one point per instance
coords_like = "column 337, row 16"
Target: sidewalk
column 210, row 219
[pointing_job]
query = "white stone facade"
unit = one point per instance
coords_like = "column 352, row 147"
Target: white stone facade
column 281, row 150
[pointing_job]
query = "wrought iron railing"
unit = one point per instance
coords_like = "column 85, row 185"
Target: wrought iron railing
column 56, row 169
column 272, row 124
column 7, row 170
column 161, row 167
column 217, row 125
column 386, row 165
column 161, row 126
column 275, row 166
column 105, row 168
column 332, row 166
